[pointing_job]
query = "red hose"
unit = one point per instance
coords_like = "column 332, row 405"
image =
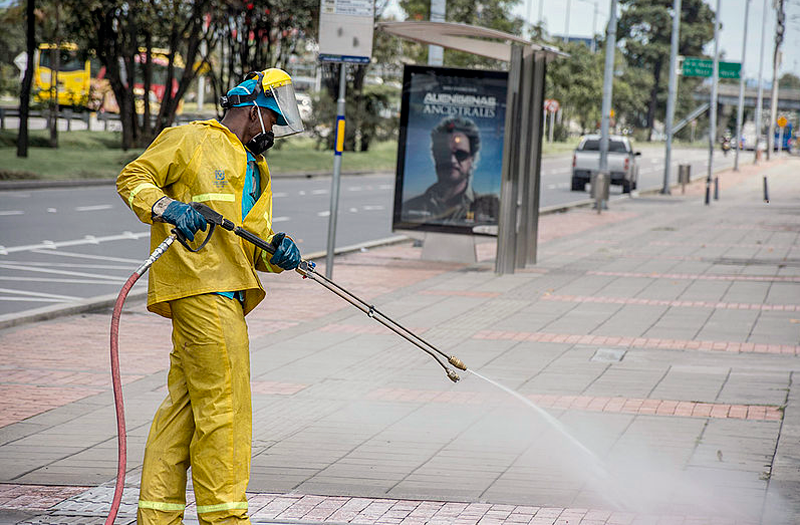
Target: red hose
column 118, row 403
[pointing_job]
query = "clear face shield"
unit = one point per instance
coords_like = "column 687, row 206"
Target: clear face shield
column 287, row 103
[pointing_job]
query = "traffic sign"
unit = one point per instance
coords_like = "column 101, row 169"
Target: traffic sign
column 782, row 121
column 552, row 105
column 704, row 67
column 345, row 30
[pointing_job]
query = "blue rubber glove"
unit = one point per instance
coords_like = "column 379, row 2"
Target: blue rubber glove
column 286, row 255
column 185, row 219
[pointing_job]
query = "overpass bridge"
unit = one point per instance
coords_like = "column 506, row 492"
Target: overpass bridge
column 788, row 99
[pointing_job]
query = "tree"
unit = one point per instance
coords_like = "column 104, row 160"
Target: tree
column 789, row 81
column 645, row 30
column 493, row 14
column 123, row 33
column 576, row 82
column 257, row 34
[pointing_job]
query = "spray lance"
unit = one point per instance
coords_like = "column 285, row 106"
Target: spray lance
column 306, row 269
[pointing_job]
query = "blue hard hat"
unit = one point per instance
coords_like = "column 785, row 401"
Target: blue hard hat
column 247, row 87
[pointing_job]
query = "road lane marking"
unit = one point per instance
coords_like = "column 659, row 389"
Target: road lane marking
column 279, row 194
column 53, row 280
column 74, row 265
column 386, row 187
column 372, row 208
column 319, row 192
column 34, row 299
column 280, row 219
column 94, row 208
column 87, row 256
column 324, row 214
column 12, row 212
column 353, row 210
column 61, row 272
column 355, row 188
column 50, row 245
column 40, row 294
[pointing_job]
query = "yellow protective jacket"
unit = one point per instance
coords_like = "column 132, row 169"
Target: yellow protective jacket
column 201, row 162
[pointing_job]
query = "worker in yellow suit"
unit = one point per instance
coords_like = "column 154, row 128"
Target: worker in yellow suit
column 206, row 420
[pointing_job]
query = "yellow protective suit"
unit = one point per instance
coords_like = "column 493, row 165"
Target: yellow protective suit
column 201, row 162
column 205, row 421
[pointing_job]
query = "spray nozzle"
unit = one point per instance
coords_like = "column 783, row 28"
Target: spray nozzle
column 453, row 376
column 456, row 362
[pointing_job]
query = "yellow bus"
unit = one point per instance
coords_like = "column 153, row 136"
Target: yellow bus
column 82, row 82
column 74, row 75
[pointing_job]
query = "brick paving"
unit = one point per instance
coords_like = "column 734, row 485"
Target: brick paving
column 622, row 405
column 675, row 304
column 698, row 423
column 638, row 342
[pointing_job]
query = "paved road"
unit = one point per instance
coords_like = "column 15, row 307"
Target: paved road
column 59, row 245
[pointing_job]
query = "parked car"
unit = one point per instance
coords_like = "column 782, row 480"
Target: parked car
column 622, row 162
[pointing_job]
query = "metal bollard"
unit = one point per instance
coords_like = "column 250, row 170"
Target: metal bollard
column 684, row 176
column 716, row 188
column 766, row 190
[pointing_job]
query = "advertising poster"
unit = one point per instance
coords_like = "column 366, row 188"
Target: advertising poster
column 450, row 153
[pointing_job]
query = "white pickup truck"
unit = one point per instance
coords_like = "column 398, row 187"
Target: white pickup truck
column 621, row 162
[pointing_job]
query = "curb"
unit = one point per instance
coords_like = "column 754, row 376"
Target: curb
column 75, row 183
column 99, row 302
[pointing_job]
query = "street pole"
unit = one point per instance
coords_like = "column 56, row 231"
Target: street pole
column 776, row 64
column 760, row 99
column 337, row 170
column 436, row 53
column 541, row 12
column 566, row 22
column 712, row 127
column 673, row 80
column 608, row 84
column 740, row 113
column 594, row 28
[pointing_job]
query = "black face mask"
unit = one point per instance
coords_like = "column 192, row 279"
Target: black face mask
column 263, row 141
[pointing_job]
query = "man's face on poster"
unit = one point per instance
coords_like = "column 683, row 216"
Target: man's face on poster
column 453, row 157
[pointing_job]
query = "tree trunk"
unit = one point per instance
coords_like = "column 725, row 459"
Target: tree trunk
column 651, row 110
column 147, row 128
column 25, row 94
column 55, row 67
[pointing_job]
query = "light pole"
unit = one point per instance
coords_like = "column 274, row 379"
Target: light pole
column 673, row 81
column 712, row 128
column 776, row 64
column 608, row 85
column 760, row 98
column 566, row 22
column 740, row 113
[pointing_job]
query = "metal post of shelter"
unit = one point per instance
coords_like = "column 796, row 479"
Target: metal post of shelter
column 509, row 185
column 535, row 64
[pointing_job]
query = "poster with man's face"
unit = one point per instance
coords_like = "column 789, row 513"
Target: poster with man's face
column 450, row 155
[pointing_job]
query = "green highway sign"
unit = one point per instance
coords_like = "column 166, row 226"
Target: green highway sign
column 704, row 67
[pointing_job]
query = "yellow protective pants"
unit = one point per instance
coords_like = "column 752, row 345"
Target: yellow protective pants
column 206, row 420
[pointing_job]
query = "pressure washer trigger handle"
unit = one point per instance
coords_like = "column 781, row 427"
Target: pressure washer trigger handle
column 212, row 217
column 182, row 238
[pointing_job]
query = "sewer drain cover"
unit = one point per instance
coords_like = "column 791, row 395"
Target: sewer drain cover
column 608, row 355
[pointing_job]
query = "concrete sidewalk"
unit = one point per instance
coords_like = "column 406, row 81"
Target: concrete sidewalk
column 654, row 349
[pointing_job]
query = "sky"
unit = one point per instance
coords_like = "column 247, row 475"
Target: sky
column 731, row 37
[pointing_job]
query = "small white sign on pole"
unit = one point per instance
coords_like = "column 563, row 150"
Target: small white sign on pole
column 345, row 30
